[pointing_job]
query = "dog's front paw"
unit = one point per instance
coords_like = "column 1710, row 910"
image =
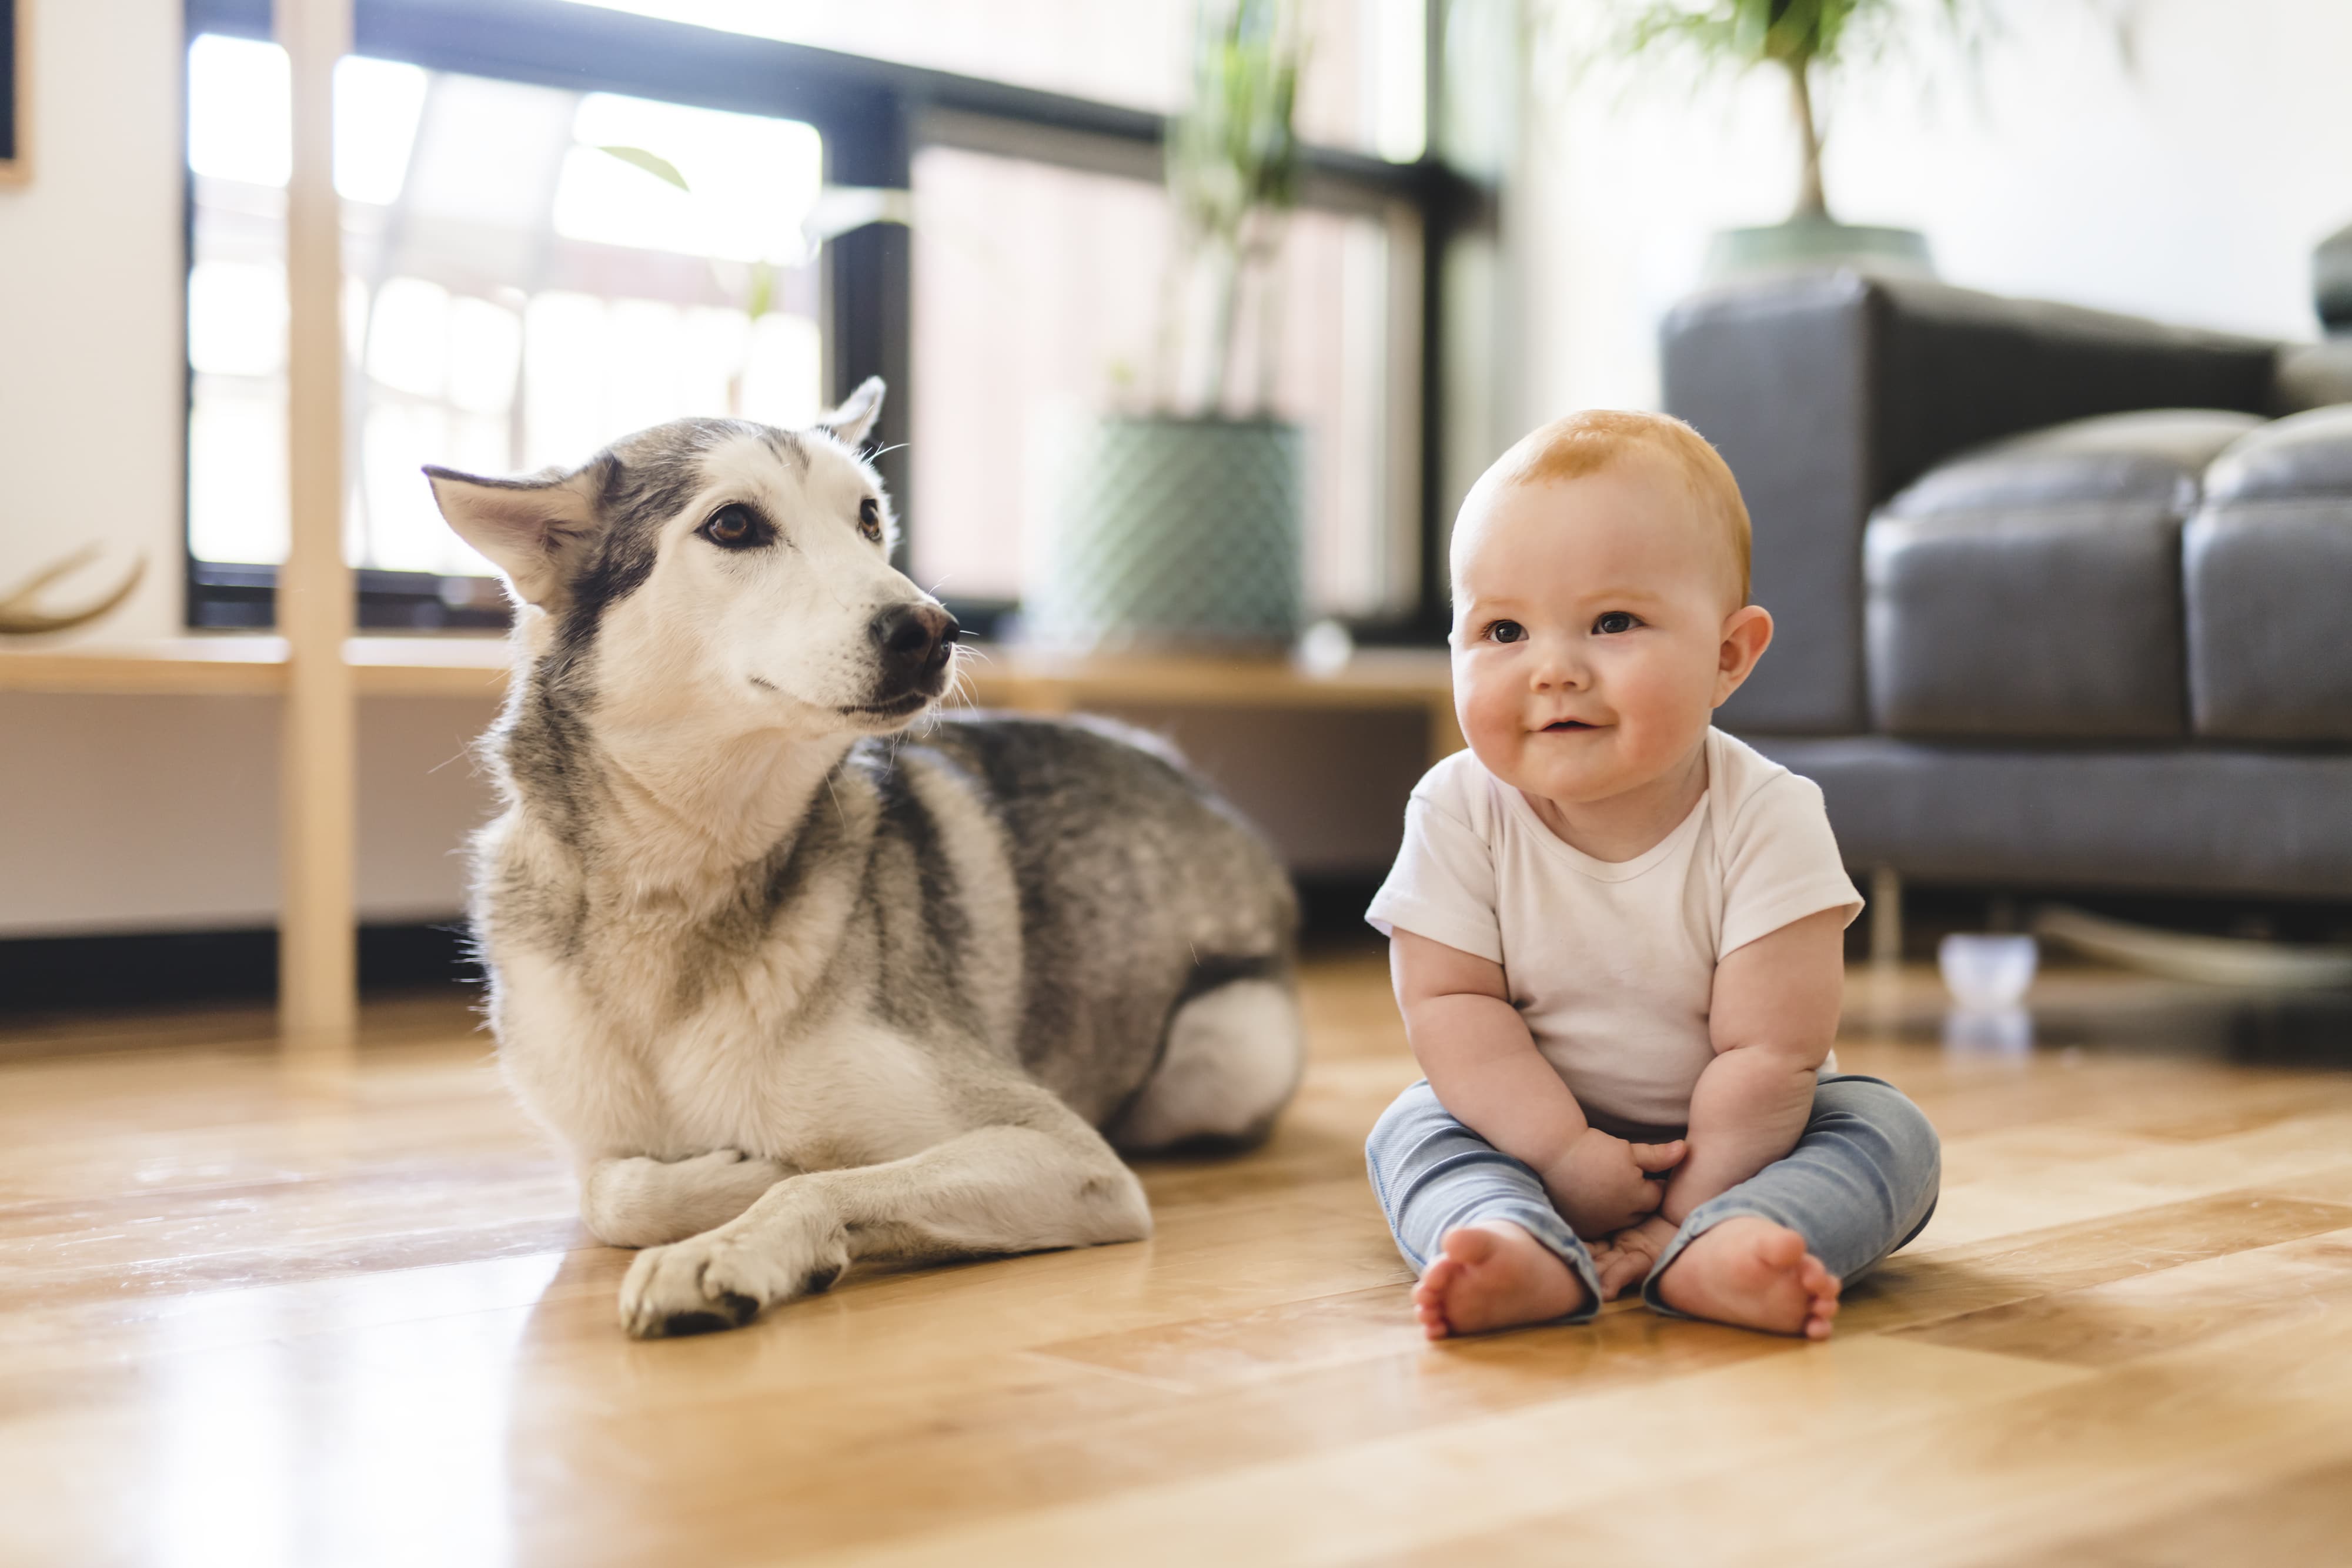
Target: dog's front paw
column 723, row 1281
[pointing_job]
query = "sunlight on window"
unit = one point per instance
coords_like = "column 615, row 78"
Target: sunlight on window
column 377, row 106
column 408, row 339
column 782, row 381
column 404, row 530
column 513, row 297
column 236, row 473
column 485, row 353
column 240, row 111
column 750, row 180
column 1363, row 85
column 236, row 317
column 1133, row 51
column 563, row 378
column 239, row 106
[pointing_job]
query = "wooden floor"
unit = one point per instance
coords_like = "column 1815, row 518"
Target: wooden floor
column 251, row 1320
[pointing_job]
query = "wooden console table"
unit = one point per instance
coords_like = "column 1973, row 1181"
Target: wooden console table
column 244, row 664
column 241, row 664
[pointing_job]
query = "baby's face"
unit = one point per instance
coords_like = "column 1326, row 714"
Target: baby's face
column 1590, row 629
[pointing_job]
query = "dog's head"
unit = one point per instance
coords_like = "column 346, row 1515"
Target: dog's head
column 737, row 570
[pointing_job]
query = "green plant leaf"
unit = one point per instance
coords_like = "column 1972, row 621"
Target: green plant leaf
column 653, row 163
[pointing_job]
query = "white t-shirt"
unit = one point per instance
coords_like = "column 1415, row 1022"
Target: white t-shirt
column 1612, row 963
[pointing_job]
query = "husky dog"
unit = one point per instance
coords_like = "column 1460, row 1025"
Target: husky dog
column 796, row 984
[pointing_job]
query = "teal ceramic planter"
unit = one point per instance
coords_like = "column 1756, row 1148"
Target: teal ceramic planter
column 1802, row 243
column 1173, row 533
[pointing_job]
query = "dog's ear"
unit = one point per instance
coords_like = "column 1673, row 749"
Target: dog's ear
column 533, row 530
column 855, row 418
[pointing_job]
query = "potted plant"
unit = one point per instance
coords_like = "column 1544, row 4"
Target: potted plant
column 1182, row 524
column 1808, row 39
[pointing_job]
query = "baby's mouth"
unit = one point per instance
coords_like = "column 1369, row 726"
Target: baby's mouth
column 1561, row 727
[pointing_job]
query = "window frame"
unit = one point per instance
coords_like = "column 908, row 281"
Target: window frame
column 873, row 116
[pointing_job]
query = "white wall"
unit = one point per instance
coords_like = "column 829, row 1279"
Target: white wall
column 2192, row 190
column 92, row 389
column 161, row 813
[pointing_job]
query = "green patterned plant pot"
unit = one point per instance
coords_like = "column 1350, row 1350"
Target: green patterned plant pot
column 1815, row 242
column 1171, row 532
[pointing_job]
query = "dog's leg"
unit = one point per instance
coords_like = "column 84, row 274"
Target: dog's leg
column 640, row 1202
column 1234, row 1057
column 1042, row 1179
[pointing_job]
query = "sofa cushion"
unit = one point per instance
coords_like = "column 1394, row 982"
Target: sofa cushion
column 2158, row 456
column 2313, row 375
column 2267, row 583
column 2031, row 590
column 2263, row 822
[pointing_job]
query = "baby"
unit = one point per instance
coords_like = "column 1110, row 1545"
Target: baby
column 1616, row 932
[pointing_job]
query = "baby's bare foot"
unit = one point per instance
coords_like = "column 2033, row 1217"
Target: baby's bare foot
column 1754, row 1274
column 1492, row 1276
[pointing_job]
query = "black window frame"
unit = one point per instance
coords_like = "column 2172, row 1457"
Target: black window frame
column 873, row 116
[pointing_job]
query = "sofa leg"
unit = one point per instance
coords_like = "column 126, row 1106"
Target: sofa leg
column 1885, row 914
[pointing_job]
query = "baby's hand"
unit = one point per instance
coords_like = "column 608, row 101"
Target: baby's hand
column 1601, row 1185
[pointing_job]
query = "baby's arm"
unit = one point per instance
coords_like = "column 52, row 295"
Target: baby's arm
column 1484, row 1067
column 1773, row 1017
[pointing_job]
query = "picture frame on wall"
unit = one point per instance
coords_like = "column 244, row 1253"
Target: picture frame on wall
column 16, row 108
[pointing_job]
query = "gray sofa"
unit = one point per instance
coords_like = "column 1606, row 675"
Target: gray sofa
column 2063, row 603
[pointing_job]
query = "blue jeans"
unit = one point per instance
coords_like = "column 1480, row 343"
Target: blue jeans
column 1861, row 1183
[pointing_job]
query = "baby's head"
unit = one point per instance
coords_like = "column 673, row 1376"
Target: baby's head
column 1601, row 604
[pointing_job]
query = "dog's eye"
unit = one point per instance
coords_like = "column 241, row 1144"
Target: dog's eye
column 735, row 526
column 870, row 518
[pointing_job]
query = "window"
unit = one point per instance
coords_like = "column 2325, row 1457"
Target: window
column 516, row 296
column 1362, row 87
column 1036, row 301
column 519, row 293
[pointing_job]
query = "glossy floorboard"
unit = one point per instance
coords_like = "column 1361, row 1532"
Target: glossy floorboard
column 255, row 1318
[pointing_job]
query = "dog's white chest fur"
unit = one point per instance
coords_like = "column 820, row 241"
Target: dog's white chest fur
column 627, row 1080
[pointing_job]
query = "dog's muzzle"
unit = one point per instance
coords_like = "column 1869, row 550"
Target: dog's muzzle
column 914, row 642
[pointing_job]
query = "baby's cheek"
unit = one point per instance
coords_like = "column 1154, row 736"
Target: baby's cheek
column 1490, row 722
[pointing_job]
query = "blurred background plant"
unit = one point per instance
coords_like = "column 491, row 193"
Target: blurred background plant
column 752, row 285
column 1232, row 161
column 1808, row 39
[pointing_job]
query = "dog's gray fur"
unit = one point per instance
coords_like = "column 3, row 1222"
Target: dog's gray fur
column 794, row 984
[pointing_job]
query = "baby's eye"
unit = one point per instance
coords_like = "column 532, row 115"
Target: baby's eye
column 1616, row 621
column 1506, row 632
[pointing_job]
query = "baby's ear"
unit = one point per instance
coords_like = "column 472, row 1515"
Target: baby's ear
column 535, row 530
column 1746, row 633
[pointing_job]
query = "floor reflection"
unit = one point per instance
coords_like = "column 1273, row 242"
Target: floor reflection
column 2111, row 1011
column 342, row 1427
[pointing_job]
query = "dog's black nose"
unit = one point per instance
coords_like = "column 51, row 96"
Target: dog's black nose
column 915, row 640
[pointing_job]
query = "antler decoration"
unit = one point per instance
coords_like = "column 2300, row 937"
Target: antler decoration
column 19, row 618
